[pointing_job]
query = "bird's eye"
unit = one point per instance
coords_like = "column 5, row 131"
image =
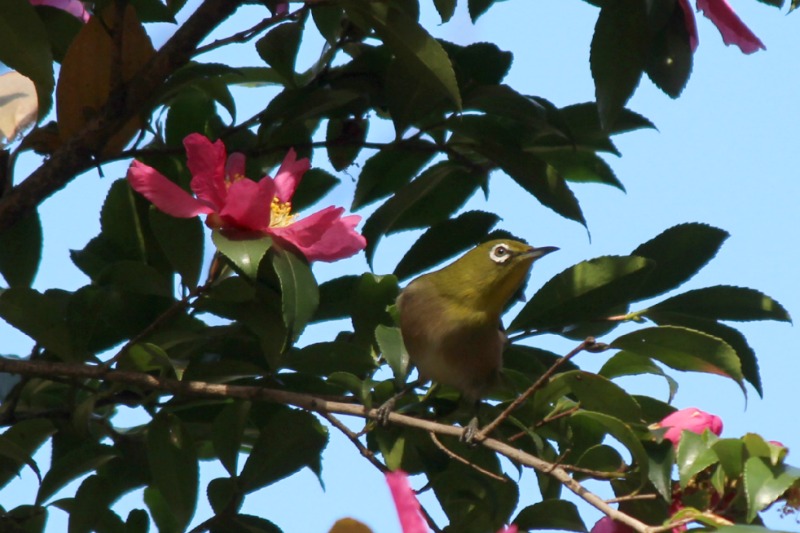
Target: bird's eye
column 500, row 253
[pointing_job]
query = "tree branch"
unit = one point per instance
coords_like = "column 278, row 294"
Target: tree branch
column 124, row 101
column 46, row 369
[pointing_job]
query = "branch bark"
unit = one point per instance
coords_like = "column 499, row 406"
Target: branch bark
column 76, row 155
column 46, row 369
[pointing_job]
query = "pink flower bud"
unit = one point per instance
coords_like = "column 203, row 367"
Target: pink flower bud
column 607, row 525
column 689, row 419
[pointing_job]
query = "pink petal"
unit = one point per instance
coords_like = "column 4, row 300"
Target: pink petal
column 730, row 25
column 324, row 236
column 689, row 419
column 235, row 165
column 408, row 508
column 248, row 204
column 607, row 525
column 509, row 529
column 206, row 162
column 73, row 7
column 690, row 23
column 289, row 175
column 163, row 193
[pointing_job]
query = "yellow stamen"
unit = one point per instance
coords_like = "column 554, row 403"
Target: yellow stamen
column 281, row 214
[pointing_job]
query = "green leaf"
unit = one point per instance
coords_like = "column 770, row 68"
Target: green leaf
column 763, row 484
column 192, row 111
column 678, row 252
column 344, row 139
column 335, row 298
column 586, row 132
column 693, row 455
column 279, row 49
column 245, row 254
column 433, row 196
column 41, row 317
column 410, row 99
column 618, row 55
column 596, row 393
column 92, row 498
column 390, row 342
column 421, row 54
column 390, row 169
column 683, row 349
column 181, row 240
column 24, row 47
column 22, row 440
column 299, row 291
column 288, row 441
column 550, row 514
column 723, row 302
column 315, row 184
column 582, row 167
column 18, row 455
column 371, row 298
column 731, row 456
column 628, row 364
column 73, row 465
column 479, row 64
column 173, row 466
column 227, row 434
column 478, row 8
column 620, row 431
column 669, row 61
column 662, row 460
column 445, row 240
column 445, row 8
column 137, row 522
column 325, row 358
column 61, row 29
column 586, row 291
column 21, row 251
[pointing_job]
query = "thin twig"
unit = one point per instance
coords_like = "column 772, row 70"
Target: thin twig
column 305, row 401
column 632, row 497
column 546, row 420
column 454, row 455
column 248, row 34
column 588, row 344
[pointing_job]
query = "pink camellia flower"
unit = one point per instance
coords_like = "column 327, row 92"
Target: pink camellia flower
column 408, row 508
column 731, row 27
column 235, row 203
column 73, row 7
column 689, row 419
column 607, row 525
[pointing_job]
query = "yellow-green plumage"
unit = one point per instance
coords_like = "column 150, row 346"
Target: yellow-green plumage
column 450, row 319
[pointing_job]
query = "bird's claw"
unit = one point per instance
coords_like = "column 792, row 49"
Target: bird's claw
column 470, row 432
column 385, row 410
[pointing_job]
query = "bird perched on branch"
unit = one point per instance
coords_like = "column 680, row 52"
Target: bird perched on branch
column 450, row 319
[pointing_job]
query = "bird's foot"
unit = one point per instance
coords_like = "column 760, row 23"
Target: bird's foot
column 385, row 410
column 470, row 431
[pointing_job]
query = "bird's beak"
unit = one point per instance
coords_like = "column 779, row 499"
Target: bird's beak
column 536, row 253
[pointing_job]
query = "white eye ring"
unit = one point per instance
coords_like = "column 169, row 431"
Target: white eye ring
column 500, row 253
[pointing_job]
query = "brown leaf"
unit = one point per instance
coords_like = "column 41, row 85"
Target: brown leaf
column 349, row 525
column 105, row 54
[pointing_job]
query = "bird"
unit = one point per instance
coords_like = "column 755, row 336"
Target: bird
column 450, row 319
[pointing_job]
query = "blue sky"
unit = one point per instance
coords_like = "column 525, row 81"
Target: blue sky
column 725, row 153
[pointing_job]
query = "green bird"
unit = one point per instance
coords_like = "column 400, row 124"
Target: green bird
column 450, row 318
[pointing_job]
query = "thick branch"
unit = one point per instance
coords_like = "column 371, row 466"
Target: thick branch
column 311, row 403
column 75, row 155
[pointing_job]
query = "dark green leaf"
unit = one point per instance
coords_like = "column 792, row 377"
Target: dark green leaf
column 21, row 251
column 328, row 19
column 723, row 302
column 390, row 169
column 683, row 349
column 596, row 393
column 432, row 197
column 244, row 253
column 41, row 317
column 23, row 439
column 678, row 252
column 445, row 240
column 223, row 495
column 181, row 241
column 71, row 466
column 299, row 292
column 390, row 342
column 227, row 434
column 152, row 11
column 371, row 297
column 622, row 432
column 173, row 467
column 344, row 140
column 315, row 184
column 279, row 49
column 287, row 442
column 628, row 364
column 582, row 167
column 335, row 298
column 422, row 55
column 193, row 111
column 325, row 358
column 479, row 63
column 583, row 124
column 662, row 460
column 445, row 8
column 411, row 99
column 583, row 292
column 550, row 514
column 472, row 501
column 17, row 455
column 478, row 8
column 137, row 522
column 92, row 498
column 24, row 47
column 764, row 484
column 731, row 454
column 618, row 55
column 669, row 62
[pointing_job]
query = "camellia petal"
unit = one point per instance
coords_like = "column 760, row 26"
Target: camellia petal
column 690, row 23
column 235, row 166
column 408, row 508
column 163, row 193
column 289, row 175
column 324, row 235
column 206, row 162
column 607, row 525
column 731, row 27
column 689, row 419
column 248, row 204
column 73, row 7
